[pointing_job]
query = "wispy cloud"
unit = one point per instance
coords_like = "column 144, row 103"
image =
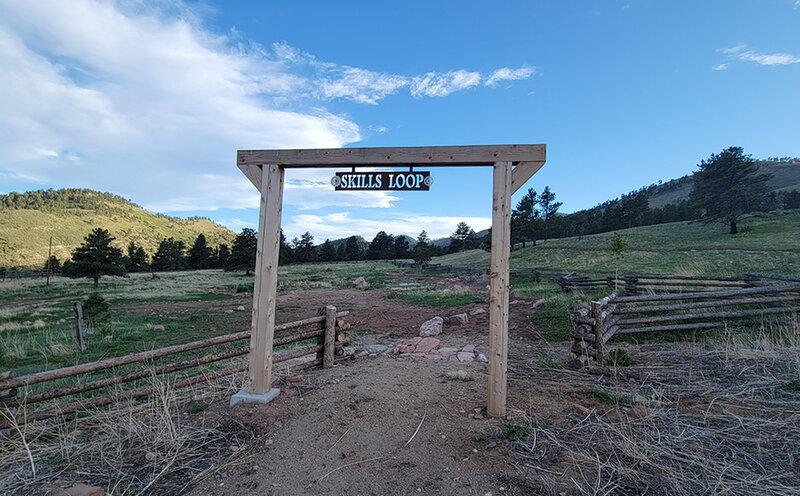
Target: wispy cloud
column 508, row 74
column 343, row 224
column 743, row 52
column 148, row 103
column 720, row 67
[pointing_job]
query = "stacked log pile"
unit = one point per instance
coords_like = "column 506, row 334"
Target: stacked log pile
column 595, row 324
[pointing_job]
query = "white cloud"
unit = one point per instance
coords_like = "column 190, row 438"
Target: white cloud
column 439, row 85
column 743, row 52
column 339, row 225
column 508, row 74
column 720, row 67
column 130, row 98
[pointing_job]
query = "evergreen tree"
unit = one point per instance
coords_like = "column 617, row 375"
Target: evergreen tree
column 95, row 257
column 53, row 265
column 341, row 254
column 381, row 247
column 285, row 255
column 727, row 186
column 524, row 219
column 136, row 259
column 463, row 238
column 422, row 250
column 304, row 250
column 351, row 248
column 549, row 207
column 223, row 256
column 169, row 255
column 199, row 254
column 400, row 247
column 326, row 252
column 243, row 252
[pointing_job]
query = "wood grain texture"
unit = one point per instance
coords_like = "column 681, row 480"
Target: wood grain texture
column 498, row 289
column 522, row 172
column 253, row 173
column 266, row 280
column 395, row 156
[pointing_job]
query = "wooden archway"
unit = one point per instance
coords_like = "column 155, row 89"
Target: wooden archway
column 513, row 165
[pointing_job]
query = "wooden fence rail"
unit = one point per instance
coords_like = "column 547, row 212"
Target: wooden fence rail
column 595, row 324
column 10, row 385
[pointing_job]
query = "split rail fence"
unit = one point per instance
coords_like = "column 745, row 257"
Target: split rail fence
column 18, row 394
column 634, row 284
column 595, row 324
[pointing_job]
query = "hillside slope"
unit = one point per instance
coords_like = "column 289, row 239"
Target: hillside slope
column 767, row 243
column 69, row 215
column 785, row 177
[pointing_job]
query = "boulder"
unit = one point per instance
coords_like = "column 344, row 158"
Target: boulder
column 360, row 283
column 376, row 348
column 158, row 328
column 431, row 327
column 84, row 490
column 448, row 352
column 463, row 356
column 459, row 319
column 240, row 308
column 427, row 345
column 477, row 311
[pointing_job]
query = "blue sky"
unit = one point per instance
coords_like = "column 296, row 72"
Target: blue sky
column 151, row 100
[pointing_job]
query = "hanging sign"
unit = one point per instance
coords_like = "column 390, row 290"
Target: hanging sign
column 382, row 181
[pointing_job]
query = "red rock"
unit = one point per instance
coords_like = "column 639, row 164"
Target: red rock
column 468, row 348
column 427, row 344
column 482, row 349
column 295, row 379
column 448, row 351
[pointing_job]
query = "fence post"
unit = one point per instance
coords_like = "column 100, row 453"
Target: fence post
column 597, row 315
column 330, row 337
column 80, row 336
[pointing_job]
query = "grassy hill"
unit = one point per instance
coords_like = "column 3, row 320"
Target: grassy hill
column 28, row 220
column 767, row 243
column 785, row 177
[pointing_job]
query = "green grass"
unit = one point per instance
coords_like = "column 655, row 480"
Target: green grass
column 608, row 398
column 767, row 243
column 438, row 298
column 793, row 385
column 619, row 357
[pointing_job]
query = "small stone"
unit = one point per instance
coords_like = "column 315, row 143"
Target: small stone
column 229, row 311
column 108, row 338
column 150, row 456
column 474, row 450
column 459, row 319
column 468, row 348
column 269, row 442
column 84, row 490
column 482, row 349
column 240, row 308
column 295, row 379
column 158, row 328
column 476, row 311
column 491, row 445
column 448, row 352
column 482, row 358
column 278, row 424
column 360, row 283
column 465, row 357
column 376, row 348
column 62, row 321
column 637, row 412
column 432, row 327
column 477, row 416
column 27, row 323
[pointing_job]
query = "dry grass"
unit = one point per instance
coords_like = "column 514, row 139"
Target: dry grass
column 708, row 419
column 149, row 447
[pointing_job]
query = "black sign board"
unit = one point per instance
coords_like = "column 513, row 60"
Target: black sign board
column 382, row 181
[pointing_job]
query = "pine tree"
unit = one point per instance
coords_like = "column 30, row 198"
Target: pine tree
column 223, row 256
column 422, row 250
column 199, row 254
column 400, row 247
column 303, row 248
column 727, row 186
column 381, row 247
column 549, row 206
column 341, row 254
column 463, row 237
column 243, row 252
column 95, row 258
column 169, row 255
column 136, row 259
column 351, row 249
column 525, row 218
column 326, row 252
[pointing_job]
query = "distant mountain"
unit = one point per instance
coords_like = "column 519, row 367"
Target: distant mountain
column 27, row 220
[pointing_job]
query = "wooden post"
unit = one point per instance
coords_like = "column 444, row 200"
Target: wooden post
column 266, row 280
column 49, row 255
column 498, row 289
column 597, row 315
column 80, row 336
column 330, row 336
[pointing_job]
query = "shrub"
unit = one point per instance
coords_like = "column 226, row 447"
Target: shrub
column 619, row 357
column 95, row 309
